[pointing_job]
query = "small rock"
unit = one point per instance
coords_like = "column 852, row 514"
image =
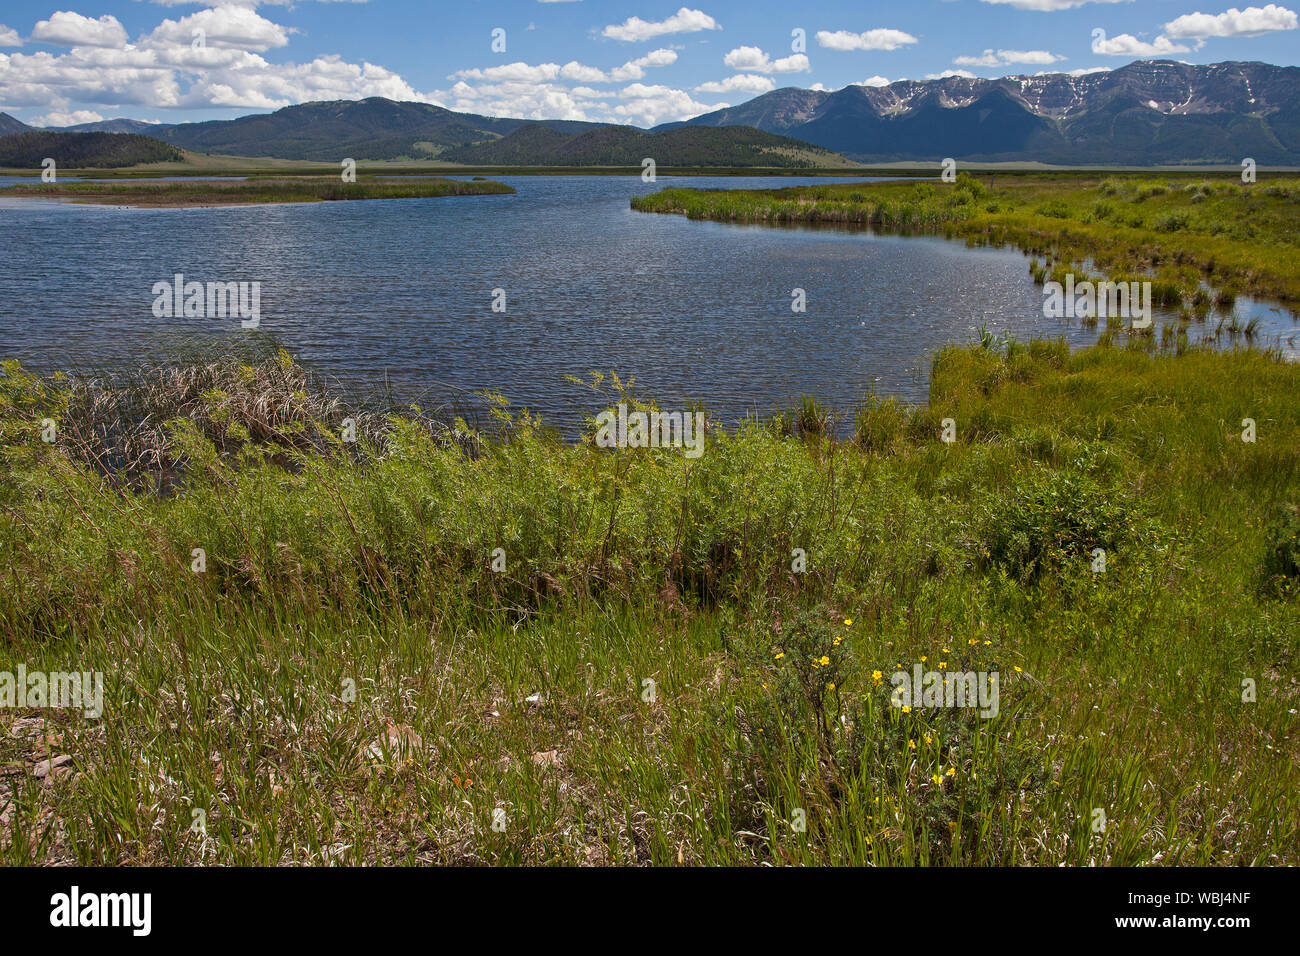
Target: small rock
column 44, row 768
column 398, row 742
column 546, row 758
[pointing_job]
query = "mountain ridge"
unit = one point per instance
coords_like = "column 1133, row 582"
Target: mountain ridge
column 1148, row 112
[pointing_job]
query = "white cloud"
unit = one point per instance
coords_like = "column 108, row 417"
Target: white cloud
column 1008, row 57
column 946, row 74
column 652, row 105
column 227, row 26
column 639, row 104
column 754, row 60
column 684, row 20
column 9, row 36
column 264, row 3
column 513, row 73
column 525, row 100
column 573, row 70
column 742, row 82
column 635, row 69
column 176, row 76
column 1251, row 22
column 873, row 81
column 65, row 28
column 75, row 118
column 1050, row 5
column 1128, row 45
column 870, row 40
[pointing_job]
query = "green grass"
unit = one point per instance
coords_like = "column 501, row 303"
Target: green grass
column 332, row 566
column 250, row 191
column 1179, row 228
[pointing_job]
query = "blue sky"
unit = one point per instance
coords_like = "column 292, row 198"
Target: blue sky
column 631, row 61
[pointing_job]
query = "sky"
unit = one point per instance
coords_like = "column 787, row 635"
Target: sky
column 641, row 62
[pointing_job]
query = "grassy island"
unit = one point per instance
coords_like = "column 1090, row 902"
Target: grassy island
column 180, row 194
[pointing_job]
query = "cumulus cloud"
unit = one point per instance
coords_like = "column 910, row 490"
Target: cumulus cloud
column 227, row 26
column 65, row 28
column 741, row 82
column 1008, row 57
column 645, row 105
column 512, row 73
column 573, row 70
column 9, row 36
column 685, row 20
column 180, row 76
column 946, row 74
column 1050, row 5
column 75, row 118
column 1251, row 22
column 1128, row 45
column 873, row 81
column 870, row 40
column 754, row 60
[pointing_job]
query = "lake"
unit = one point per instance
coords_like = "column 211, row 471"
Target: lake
column 396, row 296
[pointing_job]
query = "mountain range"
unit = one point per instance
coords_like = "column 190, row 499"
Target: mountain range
column 1149, row 112
column 1146, row 113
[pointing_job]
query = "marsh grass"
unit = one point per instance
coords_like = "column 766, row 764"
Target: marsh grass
column 525, row 690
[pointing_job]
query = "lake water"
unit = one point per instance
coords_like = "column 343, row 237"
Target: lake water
column 397, row 295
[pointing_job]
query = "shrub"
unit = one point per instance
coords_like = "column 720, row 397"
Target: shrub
column 1281, row 564
column 1053, row 519
column 1173, row 221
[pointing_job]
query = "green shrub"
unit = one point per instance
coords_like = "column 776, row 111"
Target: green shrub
column 1281, row 564
column 1052, row 519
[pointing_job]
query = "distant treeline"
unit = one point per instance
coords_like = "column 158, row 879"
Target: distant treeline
column 83, row 150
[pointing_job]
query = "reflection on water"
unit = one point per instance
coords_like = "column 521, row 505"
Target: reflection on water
column 398, row 294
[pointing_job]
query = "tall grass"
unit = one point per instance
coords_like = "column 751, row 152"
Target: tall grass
column 651, row 676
